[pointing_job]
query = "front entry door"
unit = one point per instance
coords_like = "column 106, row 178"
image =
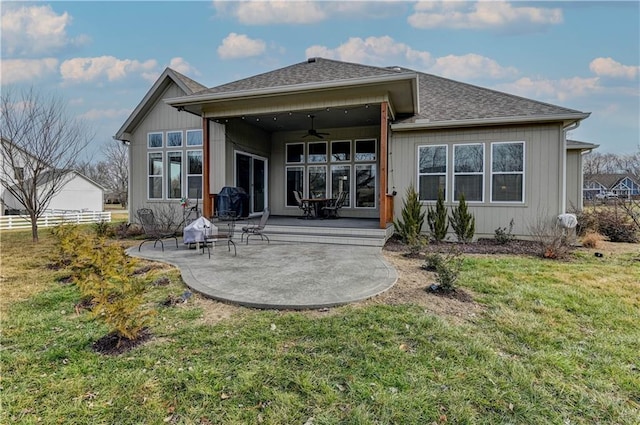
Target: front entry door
column 251, row 175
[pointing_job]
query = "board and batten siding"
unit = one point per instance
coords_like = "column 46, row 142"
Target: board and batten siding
column 574, row 180
column 160, row 118
column 542, row 178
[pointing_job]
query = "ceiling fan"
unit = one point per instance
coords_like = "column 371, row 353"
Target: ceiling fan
column 313, row 132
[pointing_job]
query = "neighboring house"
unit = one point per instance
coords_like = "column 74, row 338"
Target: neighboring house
column 625, row 185
column 323, row 125
column 77, row 194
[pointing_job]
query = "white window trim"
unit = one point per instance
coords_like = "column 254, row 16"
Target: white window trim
column 304, row 182
column 355, row 186
column 187, row 174
column 326, row 152
column 186, row 142
column 308, row 182
column 375, row 150
column 149, row 140
column 454, row 174
column 349, row 191
column 524, row 167
column 149, row 175
column 341, row 161
column 168, row 174
column 182, row 142
column 304, row 156
column 445, row 173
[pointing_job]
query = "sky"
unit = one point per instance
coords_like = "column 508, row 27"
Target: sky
column 103, row 57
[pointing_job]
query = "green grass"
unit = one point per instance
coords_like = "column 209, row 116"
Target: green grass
column 558, row 342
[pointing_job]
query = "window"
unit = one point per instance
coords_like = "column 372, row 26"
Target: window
column 154, row 140
column 366, row 186
column 507, row 172
column 341, row 151
column 174, row 139
column 341, row 181
column 194, row 174
column 468, row 171
column 317, row 181
column 18, row 173
column 432, row 172
column 366, row 150
column 174, row 175
column 317, row 152
column 295, row 153
column 194, row 137
column 155, row 175
column 295, row 181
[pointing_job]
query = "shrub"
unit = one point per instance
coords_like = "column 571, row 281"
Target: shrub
column 552, row 239
column 437, row 219
column 410, row 225
column 615, row 224
column 463, row 222
column 102, row 228
column 447, row 269
column 504, row 235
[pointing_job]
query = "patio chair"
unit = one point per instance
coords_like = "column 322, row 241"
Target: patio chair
column 303, row 205
column 152, row 229
column 334, row 205
column 221, row 235
column 256, row 229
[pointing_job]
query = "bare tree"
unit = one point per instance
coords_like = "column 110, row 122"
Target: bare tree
column 116, row 170
column 40, row 144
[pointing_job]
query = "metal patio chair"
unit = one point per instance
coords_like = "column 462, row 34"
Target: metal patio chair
column 152, row 229
column 302, row 204
column 221, row 235
column 334, row 205
column 256, row 229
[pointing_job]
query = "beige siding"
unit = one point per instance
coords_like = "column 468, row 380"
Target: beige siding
column 574, row 180
column 161, row 118
column 542, row 178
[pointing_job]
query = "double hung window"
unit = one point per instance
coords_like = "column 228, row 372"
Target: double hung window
column 432, row 172
column 507, row 172
column 468, row 169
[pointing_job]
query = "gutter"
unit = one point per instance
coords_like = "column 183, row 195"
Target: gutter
column 565, row 130
column 279, row 90
column 422, row 124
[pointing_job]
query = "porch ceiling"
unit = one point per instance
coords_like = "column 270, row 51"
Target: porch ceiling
column 352, row 116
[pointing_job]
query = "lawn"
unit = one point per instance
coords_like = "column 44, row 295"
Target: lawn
column 550, row 342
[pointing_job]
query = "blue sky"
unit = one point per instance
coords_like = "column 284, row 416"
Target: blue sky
column 103, row 56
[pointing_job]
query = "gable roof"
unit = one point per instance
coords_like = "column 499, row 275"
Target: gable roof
column 168, row 76
column 440, row 102
column 610, row 180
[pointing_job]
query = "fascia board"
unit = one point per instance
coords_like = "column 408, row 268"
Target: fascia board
column 488, row 121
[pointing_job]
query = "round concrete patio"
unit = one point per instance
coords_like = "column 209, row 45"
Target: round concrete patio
column 279, row 275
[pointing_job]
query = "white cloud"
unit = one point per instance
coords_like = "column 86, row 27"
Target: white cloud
column 33, row 30
column 236, row 46
column 482, row 15
column 92, row 69
column 99, row 114
column 182, row 66
column 471, row 66
column 553, row 90
column 382, row 51
column 273, row 12
column 17, row 70
column 607, row 67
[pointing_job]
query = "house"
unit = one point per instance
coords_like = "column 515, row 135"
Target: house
column 575, row 176
column 624, row 185
column 322, row 125
column 77, row 192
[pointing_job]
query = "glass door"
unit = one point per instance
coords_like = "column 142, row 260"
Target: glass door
column 251, row 175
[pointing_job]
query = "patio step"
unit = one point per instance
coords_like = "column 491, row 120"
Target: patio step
column 327, row 235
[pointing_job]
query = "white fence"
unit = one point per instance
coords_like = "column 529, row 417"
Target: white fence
column 52, row 219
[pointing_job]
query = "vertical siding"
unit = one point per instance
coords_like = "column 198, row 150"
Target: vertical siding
column 161, row 117
column 574, row 180
column 543, row 172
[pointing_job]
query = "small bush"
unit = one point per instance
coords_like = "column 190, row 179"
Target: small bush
column 432, row 262
column 102, row 228
column 463, row 222
column 552, row 239
column 592, row 239
column 503, row 235
column 613, row 223
column 447, row 269
column 416, row 244
column 410, row 225
column 437, row 219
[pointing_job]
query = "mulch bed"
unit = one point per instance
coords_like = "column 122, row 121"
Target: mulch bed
column 481, row 246
column 112, row 345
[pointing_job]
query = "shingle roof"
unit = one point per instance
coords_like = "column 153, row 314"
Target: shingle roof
column 609, row 180
column 190, row 84
column 316, row 70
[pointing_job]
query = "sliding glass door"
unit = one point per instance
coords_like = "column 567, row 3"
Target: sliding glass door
column 251, row 175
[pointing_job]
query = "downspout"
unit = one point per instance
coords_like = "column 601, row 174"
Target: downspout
column 565, row 130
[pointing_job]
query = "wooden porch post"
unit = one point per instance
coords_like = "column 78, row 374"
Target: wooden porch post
column 207, row 210
column 384, row 113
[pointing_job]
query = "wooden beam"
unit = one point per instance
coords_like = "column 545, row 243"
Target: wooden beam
column 207, row 205
column 384, row 125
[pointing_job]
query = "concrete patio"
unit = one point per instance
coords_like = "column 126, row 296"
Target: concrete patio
column 279, row 275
